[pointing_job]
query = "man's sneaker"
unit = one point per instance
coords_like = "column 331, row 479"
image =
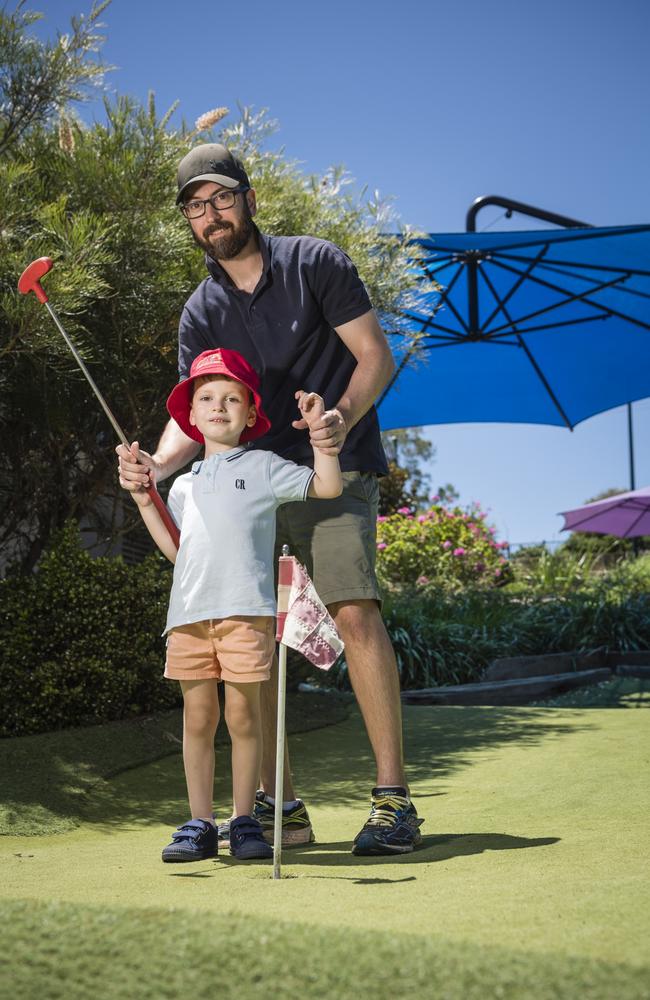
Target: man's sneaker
column 296, row 825
column 193, row 841
column 247, row 840
column 223, row 832
column 392, row 827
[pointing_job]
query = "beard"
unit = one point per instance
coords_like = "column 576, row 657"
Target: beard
column 231, row 238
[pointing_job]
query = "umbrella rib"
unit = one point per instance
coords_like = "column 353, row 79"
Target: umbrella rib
column 547, row 326
column 567, row 236
column 578, row 297
column 463, row 341
column 548, row 266
column 538, row 370
column 444, row 298
column 491, row 338
column 596, row 514
column 575, row 265
column 451, row 338
column 431, row 272
column 542, row 378
column 429, row 323
column 496, row 342
column 583, row 520
column 433, row 258
column 628, row 533
column 396, row 375
column 517, row 284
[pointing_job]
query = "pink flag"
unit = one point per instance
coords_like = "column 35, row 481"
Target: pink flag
column 304, row 623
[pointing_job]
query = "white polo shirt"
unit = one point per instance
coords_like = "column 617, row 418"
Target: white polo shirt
column 225, row 510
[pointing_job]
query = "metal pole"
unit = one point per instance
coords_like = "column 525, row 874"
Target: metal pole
column 283, row 607
column 630, row 440
column 104, row 405
column 523, row 209
column 279, row 763
column 29, row 281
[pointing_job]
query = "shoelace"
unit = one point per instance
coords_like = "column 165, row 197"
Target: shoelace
column 384, row 809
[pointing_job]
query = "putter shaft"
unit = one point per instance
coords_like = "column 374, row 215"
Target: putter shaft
column 106, row 408
column 29, row 281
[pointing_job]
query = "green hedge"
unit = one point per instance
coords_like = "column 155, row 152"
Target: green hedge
column 81, row 640
column 450, row 638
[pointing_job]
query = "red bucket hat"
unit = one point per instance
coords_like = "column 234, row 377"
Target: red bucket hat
column 218, row 362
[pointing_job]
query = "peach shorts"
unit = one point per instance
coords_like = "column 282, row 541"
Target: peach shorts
column 239, row 650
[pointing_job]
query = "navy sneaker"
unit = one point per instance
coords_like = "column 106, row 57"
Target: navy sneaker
column 296, row 825
column 193, row 841
column 392, row 827
column 247, row 839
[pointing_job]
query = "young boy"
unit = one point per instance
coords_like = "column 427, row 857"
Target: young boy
column 220, row 623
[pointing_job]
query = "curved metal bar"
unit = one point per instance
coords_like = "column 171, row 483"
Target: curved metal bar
column 519, row 206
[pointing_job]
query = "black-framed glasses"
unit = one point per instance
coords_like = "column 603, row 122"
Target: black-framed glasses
column 220, row 200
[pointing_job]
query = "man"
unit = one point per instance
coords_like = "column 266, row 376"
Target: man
column 298, row 312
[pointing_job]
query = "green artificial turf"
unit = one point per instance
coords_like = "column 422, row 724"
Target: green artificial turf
column 530, row 883
column 65, row 952
column 45, row 780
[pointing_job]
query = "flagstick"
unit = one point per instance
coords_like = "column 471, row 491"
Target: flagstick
column 279, row 763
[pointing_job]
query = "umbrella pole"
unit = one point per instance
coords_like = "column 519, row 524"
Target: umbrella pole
column 630, row 440
column 636, row 546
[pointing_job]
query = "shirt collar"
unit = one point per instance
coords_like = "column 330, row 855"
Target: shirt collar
column 218, row 457
column 217, row 272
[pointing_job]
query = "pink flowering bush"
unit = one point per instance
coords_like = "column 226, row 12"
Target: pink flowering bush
column 442, row 548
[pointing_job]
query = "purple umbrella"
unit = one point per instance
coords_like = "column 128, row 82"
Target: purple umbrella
column 625, row 515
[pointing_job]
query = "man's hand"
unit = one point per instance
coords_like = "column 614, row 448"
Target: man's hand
column 327, row 430
column 137, row 470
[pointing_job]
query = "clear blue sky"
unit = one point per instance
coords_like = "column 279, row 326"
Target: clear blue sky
column 435, row 104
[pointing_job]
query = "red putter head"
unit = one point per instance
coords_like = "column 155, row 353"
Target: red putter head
column 29, row 280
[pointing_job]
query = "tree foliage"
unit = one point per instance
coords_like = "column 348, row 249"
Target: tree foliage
column 407, row 482
column 37, row 79
column 99, row 200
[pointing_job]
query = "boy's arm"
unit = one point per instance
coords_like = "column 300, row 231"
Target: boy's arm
column 327, row 482
column 151, row 517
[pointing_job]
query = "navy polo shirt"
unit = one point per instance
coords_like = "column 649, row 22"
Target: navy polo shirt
column 285, row 330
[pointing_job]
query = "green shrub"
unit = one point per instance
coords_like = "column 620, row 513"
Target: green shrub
column 543, row 573
column 442, row 548
column 81, row 640
column 449, row 638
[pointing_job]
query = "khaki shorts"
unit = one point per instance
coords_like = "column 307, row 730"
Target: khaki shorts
column 239, row 650
column 336, row 540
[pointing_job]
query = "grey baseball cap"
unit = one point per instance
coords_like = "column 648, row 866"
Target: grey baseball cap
column 210, row 162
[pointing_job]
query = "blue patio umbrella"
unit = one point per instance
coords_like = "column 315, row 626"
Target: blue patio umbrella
column 542, row 326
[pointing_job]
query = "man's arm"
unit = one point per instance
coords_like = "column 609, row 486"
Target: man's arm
column 175, row 449
column 365, row 339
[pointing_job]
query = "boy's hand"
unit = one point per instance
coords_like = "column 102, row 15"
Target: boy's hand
column 311, row 407
column 327, row 430
column 134, row 472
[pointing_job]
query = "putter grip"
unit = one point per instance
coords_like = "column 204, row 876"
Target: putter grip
column 167, row 519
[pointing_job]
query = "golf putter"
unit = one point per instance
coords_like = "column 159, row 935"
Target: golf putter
column 30, row 281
